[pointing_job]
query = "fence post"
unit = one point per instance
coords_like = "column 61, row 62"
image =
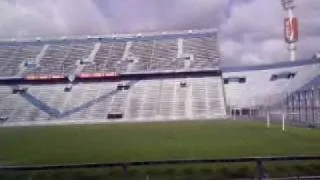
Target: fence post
column 259, row 169
column 125, row 172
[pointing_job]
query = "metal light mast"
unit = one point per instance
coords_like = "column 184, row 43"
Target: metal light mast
column 290, row 28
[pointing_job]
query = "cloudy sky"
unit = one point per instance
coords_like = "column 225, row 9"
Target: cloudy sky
column 251, row 33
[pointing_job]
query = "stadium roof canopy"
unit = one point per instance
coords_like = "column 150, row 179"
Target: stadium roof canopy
column 284, row 64
column 114, row 37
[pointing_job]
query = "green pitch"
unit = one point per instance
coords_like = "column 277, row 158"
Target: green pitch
column 152, row 141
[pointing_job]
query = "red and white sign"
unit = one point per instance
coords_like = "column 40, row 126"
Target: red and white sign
column 97, row 75
column 291, row 29
column 43, row 77
column 82, row 75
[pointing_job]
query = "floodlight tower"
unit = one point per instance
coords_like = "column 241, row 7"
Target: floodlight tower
column 290, row 28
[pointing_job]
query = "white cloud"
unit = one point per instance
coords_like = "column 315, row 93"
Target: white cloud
column 23, row 18
column 153, row 15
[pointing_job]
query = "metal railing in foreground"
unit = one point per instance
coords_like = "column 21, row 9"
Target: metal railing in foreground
column 259, row 161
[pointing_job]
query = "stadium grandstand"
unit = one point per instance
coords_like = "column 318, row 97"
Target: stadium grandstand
column 166, row 76
column 122, row 77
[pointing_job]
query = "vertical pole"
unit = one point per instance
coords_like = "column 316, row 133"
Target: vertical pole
column 312, row 105
column 293, row 99
column 125, row 172
column 288, row 105
column 268, row 120
column 259, row 169
column 299, row 105
column 292, row 51
column 232, row 113
column 283, row 121
column 306, row 105
column 318, row 106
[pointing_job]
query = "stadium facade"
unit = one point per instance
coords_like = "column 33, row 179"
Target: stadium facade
column 141, row 77
column 266, row 84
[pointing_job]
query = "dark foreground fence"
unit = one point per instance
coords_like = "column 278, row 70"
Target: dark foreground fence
column 259, row 161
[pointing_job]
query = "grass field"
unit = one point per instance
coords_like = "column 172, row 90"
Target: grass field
column 152, row 141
